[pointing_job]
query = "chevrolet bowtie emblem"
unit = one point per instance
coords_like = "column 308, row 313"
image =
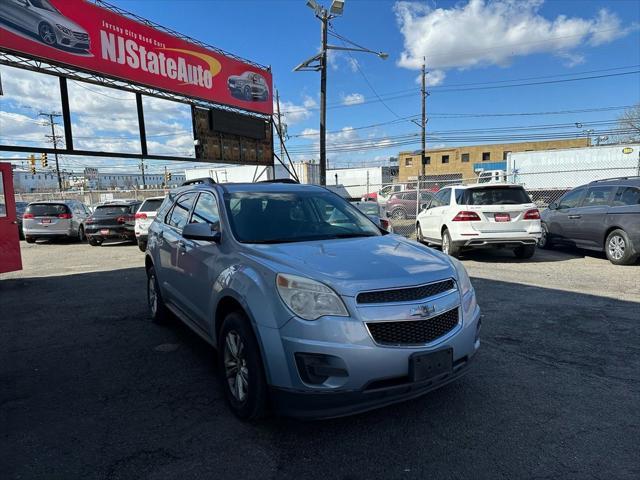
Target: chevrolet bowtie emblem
column 423, row 311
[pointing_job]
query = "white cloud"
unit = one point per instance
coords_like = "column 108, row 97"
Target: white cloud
column 293, row 113
column 352, row 99
column 434, row 77
column 482, row 33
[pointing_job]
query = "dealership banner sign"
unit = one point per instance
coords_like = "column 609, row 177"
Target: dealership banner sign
column 80, row 34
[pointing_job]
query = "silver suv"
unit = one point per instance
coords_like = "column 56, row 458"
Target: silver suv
column 54, row 219
column 315, row 318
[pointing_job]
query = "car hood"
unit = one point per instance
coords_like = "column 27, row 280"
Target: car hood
column 56, row 18
column 353, row 265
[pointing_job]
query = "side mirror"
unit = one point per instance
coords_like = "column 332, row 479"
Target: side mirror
column 201, row 231
column 424, row 206
column 553, row 206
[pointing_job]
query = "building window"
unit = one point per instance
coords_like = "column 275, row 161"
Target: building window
column 504, row 155
column 427, row 160
column 486, row 156
column 465, row 157
column 408, row 162
column 445, row 158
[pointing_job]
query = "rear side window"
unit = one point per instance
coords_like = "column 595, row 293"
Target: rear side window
column 496, row 196
column 571, row 199
column 112, row 210
column 179, row 216
column 151, row 205
column 597, row 196
column 627, row 196
column 47, row 209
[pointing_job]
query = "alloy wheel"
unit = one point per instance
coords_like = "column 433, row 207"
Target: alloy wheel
column 153, row 296
column 616, row 247
column 543, row 237
column 235, row 366
column 445, row 244
column 47, row 34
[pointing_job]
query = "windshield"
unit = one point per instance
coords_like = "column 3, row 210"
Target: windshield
column 496, row 196
column 368, row 208
column 44, row 4
column 108, row 210
column 46, row 209
column 280, row 217
column 151, row 205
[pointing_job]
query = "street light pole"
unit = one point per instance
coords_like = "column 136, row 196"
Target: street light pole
column 323, row 99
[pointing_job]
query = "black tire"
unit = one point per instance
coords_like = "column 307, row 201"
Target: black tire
column 399, row 214
column 142, row 245
column 47, row 34
column 545, row 241
column 254, row 403
column 247, row 93
column 81, row 236
column 619, row 248
column 94, row 242
column 448, row 246
column 29, row 239
column 158, row 311
column 525, row 251
column 419, row 235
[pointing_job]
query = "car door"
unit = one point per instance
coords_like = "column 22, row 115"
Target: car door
column 171, row 245
column 13, row 11
column 561, row 222
column 589, row 218
column 433, row 216
column 199, row 263
column 10, row 259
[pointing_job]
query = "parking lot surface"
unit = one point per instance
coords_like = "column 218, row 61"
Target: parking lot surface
column 90, row 388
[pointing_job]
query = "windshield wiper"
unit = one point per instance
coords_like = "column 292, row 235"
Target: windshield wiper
column 352, row 235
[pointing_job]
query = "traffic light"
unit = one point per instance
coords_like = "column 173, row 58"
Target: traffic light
column 32, row 163
column 44, row 160
column 169, row 176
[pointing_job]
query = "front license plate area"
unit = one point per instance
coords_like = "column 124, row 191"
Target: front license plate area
column 425, row 366
column 502, row 217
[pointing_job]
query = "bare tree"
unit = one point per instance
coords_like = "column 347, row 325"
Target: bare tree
column 629, row 121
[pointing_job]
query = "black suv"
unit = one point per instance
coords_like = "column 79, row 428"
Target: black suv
column 603, row 215
column 112, row 221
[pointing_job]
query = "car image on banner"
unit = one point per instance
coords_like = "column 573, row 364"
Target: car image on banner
column 98, row 40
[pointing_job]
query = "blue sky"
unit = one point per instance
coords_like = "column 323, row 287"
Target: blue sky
column 473, row 42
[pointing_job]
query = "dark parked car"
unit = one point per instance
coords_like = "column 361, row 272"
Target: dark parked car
column 603, row 215
column 404, row 205
column 248, row 86
column 112, row 221
column 20, row 209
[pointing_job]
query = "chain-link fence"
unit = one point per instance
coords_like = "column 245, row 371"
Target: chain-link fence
column 90, row 197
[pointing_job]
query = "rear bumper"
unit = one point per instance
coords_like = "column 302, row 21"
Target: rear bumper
column 120, row 233
column 314, row 405
column 38, row 233
column 494, row 242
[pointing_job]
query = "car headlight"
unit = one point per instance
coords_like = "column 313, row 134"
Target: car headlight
column 466, row 289
column 63, row 28
column 309, row 299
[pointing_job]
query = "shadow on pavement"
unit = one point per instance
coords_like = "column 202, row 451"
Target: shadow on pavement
column 90, row 388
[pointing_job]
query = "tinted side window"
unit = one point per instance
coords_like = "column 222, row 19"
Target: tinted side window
column 627, row 196
column 597, row 196
column 571, row 199
column 459, row 196
column 206, row 211
column 410, row 196
column 445, row 196
column 179, row 215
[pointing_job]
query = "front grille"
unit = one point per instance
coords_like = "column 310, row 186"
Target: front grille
column 81, row 36
column 413, row 332
column 406, row 294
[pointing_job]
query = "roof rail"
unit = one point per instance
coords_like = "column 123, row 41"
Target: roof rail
column 280, row 180
column 195, row 181
column 630, row 177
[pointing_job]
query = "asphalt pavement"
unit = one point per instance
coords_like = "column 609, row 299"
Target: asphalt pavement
column 90, row 388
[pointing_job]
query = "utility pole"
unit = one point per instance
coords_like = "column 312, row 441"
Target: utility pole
column 324, row 19
column 280, row 132
column 54, row 140
column 141, row 167
column 424, row 115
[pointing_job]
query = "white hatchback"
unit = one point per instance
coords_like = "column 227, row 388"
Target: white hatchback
column 481, row 215
column 144, row 216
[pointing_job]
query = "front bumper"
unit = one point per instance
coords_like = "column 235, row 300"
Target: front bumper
column 313, row 405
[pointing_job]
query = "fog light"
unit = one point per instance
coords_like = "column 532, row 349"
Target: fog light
column 316, row 368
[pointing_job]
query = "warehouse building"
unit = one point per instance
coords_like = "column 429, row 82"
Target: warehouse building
column 467, row 161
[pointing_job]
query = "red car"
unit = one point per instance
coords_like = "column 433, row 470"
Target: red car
column 404, row 205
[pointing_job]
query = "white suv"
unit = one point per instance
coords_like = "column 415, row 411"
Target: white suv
column 144, row 216
column 473, row 216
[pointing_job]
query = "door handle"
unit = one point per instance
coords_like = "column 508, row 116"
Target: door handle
column 575, row 217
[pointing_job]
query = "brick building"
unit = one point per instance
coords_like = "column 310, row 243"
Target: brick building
column 465, row 162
